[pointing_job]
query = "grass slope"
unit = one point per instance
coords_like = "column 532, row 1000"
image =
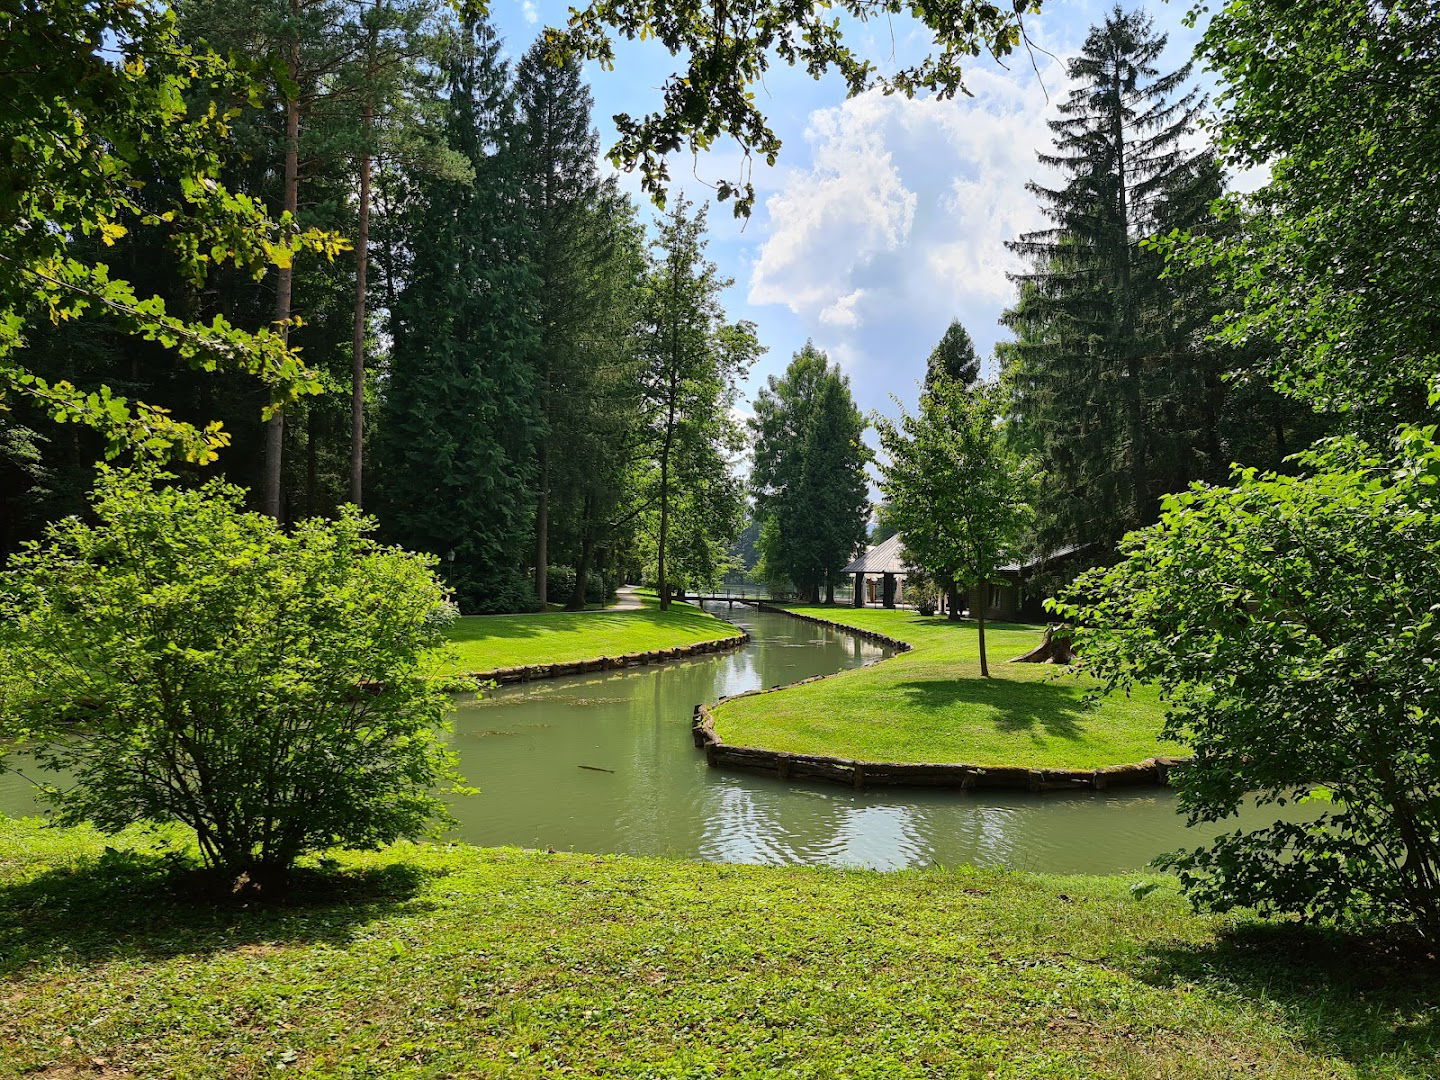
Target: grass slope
column 930, row 705
column 436, row 962
column 488, row 642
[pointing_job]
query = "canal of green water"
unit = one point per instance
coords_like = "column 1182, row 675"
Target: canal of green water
column 605, row 763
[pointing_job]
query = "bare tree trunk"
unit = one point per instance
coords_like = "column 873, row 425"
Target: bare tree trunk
column 284, row 275
column 952, row 604
column 980, row 622
column 542, row 526
column 357, row 369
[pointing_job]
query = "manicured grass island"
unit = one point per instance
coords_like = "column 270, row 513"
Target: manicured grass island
column 460, row 962
column 489, row 642
column 930, row 705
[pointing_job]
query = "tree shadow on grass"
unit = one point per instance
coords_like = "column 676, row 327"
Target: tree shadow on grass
column 139, row 904
column 1016, row 707
column 1356, row 998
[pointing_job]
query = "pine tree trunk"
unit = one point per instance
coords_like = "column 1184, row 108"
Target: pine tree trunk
column 829, row 589
column 357, row 369
column 580, row 597
column 542, row 526
column 312, row 458
column 285, row 275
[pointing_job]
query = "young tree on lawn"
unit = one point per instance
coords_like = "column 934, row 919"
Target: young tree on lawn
column 183, row 660
column 958, row 499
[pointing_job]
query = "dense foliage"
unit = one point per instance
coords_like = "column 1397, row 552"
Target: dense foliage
column 182, row 660
column 808, row 477
column 1290, row 621
column 1330, row 263
column 1282, row 620
column 101, row 143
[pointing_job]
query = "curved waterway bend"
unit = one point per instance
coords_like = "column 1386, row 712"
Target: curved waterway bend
column 605, row 763
column 524, row 747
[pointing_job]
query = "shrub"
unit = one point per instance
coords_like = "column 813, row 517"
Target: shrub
column 184, row 660
column 561, row 585
column 1292, row 626
column 487, row 592
column 921, row 590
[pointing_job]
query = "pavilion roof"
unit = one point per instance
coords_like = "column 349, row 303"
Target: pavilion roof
column 883, row 558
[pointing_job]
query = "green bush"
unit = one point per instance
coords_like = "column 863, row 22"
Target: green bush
column 561, row 585
column 483, row 592
column 1292, row 624
column 183, row 660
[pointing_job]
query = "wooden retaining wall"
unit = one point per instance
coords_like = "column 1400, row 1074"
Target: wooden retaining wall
column 608, row 663
column 862, row 774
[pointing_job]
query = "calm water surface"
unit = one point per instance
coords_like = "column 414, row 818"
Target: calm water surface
column 537, row 751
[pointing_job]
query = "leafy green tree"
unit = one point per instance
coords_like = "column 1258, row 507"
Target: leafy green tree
column 1279, row 618
column 456, row 444
column 1286, row 619
column 957, row 497
column 1329, row 267
column 102, row 144
column 694, row 361
column 1103, row 369
column 808, row 474
column 953, row 358
column 728, row 49
column 183, row 660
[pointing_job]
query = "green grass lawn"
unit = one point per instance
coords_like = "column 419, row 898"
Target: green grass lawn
column 489, row 642
column 930, row 705
column 458, row 962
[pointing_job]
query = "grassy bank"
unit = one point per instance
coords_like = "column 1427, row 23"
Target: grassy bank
column 436, row 962
column 489, row 642
column 930, row 705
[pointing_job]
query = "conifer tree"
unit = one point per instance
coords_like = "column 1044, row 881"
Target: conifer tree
column 809, row 473
column 1102, row 361
column 953, row 358
column 560, row 185
column 458, row 429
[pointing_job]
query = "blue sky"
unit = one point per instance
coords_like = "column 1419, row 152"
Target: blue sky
column 885, row 218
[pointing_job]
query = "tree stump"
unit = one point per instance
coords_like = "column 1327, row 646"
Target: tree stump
column 1055, row 649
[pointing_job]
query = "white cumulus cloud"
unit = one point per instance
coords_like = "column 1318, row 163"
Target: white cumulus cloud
column 900, row 221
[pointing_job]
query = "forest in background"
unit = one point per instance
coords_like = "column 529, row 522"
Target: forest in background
column 526, row 378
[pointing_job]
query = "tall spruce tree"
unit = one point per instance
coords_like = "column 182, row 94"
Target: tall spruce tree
column 458, row 429
column 808, row 479
column 1104, row 360
column 560, row 186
